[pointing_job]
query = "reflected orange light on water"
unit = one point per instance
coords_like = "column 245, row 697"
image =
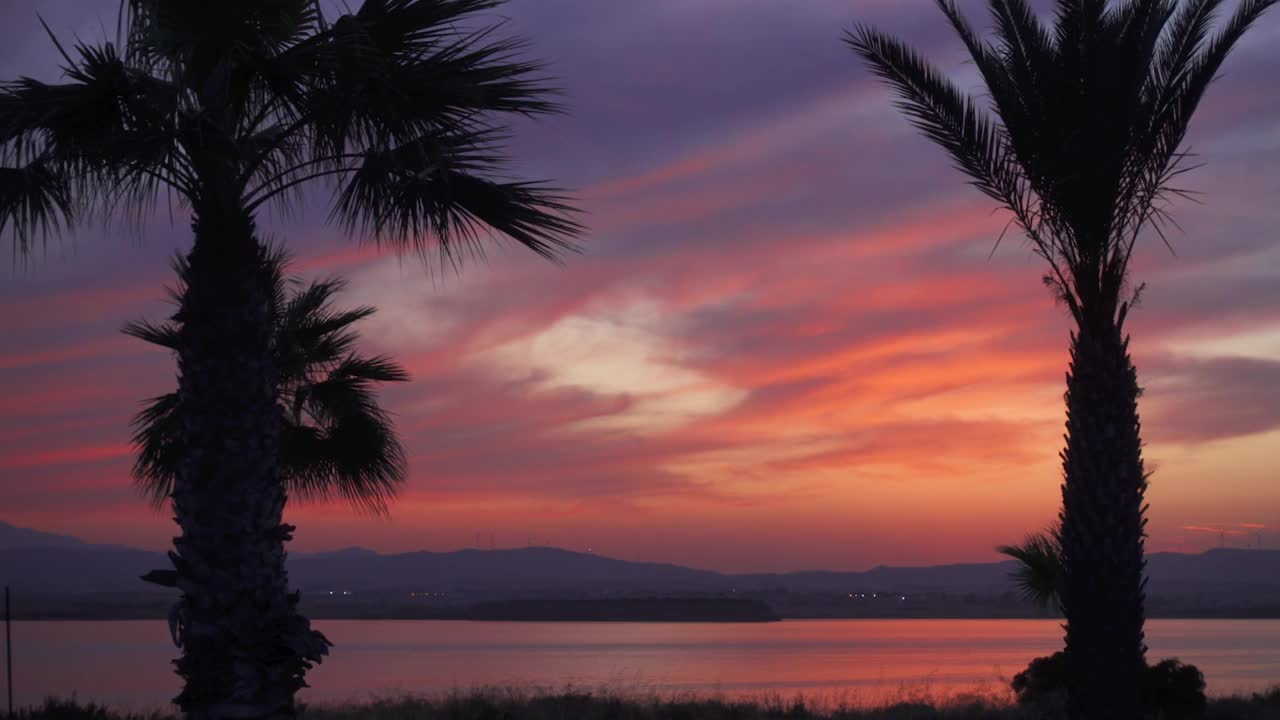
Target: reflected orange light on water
column 857, row 662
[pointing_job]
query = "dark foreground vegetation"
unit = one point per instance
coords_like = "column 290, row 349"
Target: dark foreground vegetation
column 507, row 704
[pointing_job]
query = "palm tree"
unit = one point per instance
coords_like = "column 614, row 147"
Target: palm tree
column 335, row 441
column 228, row 106
column 1036, row 575
column 1085, row 143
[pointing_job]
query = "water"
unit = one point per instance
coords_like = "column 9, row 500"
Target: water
column 126, row 663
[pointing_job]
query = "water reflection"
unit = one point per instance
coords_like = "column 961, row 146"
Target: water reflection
column 126, row 663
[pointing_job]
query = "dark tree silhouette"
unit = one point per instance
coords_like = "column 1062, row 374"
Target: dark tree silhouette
column 228, row 106
column 1084, row 145
column 335, row 441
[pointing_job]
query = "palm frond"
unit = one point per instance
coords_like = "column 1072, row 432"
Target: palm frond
column 334, row 398
column 1027, row 53
column 105, row 140
column 1022, row 32
column 275, row 258
column 156, row 436
column 1089, row 118
column 379, row 98
column 1185, row 64
column 358, row 459
column 433, row 190
column 1014, row 75
column 1140, row 26
column 1037, row 572
column 1131, row 21
column 994, row 69
column 949, row 118
column 1202, row 71
column 192, row 43
column 394, row 68
column 35, row 201
column 369, row 464
column 1076, row 26
column 289, row 98
column 326, row 393
column 309, row 309
column 379, row 368
column 1186, row 33
column 166, row 335
column 311, row 334
column 397, row 103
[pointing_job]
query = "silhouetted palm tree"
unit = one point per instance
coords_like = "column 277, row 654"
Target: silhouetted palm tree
column 1039, row 557
column 228, row 106
column 1089, row 117
column 335, row 442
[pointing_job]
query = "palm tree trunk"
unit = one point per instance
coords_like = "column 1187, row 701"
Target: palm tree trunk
column 245, row 647
column 1102, row 584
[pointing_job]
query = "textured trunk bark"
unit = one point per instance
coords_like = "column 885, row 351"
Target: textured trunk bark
column 245, row 647
column 1102, row 583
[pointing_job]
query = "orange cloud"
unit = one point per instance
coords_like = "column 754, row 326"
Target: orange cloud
column 1213, row 530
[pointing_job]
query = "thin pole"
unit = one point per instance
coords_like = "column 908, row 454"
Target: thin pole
column 8, row 650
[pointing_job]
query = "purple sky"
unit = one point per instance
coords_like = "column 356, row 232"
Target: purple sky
column 783, row 347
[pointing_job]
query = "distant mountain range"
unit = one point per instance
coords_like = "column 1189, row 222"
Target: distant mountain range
column 38, row 562
column 12, row 536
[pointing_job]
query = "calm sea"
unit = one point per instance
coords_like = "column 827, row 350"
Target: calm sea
column 857, row 661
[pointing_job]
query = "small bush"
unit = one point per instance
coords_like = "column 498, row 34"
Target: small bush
column 1043, row 683
column 1171, row 690
column 1174, row 689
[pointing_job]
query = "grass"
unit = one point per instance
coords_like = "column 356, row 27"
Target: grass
column 511, row 704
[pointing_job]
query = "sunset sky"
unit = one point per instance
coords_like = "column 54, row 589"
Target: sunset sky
column 783, row 347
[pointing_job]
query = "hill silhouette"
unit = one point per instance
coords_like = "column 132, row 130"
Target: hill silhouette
column 38, row 562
